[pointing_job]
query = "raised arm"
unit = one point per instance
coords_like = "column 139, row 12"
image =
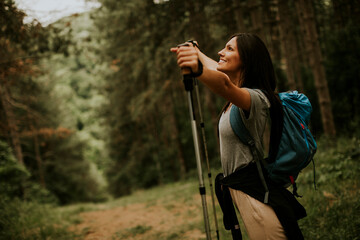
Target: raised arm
column 206, row 61
column 217, row 81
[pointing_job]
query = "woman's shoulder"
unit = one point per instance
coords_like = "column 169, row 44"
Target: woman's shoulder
column 258, row 97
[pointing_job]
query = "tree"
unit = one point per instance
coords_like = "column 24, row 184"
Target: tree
column 29, row 114
column 10, row 67
column 12, row 173
column 289, row 45
column 147, row 109
column 313, row 52
column 345, row 11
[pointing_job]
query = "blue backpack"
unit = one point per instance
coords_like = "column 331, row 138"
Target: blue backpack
column 297, row 146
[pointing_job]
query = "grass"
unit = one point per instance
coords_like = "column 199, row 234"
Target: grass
column 131, row 232
column 333, row 209
column 31, row 221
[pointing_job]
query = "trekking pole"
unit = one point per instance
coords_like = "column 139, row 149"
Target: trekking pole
column 189, row 85
column 202, row 125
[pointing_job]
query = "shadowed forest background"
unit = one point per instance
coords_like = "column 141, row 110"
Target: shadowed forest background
column 93, row 106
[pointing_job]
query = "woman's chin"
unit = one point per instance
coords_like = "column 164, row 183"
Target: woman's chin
column 219, row 68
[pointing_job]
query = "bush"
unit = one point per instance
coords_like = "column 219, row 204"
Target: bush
column 69, row 175
column 334, row 208
column 28, row 220
column 12, row 173
column 15, row 180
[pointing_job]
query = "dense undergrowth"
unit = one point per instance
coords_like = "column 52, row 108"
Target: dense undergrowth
column 333, row 208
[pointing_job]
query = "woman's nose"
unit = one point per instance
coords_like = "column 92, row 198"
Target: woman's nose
column 221, row 53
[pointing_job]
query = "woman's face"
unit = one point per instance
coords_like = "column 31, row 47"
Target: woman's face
column 230, row 62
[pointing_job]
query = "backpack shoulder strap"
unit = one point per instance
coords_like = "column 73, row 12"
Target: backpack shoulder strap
column 238, row 126
column 244, row 135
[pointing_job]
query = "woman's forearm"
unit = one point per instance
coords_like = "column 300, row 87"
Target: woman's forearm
column 219, row 83
column 206, row 61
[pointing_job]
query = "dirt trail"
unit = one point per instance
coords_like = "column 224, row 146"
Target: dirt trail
column 139, row 221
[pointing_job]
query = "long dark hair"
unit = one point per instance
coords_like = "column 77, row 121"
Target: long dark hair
column 257, row 72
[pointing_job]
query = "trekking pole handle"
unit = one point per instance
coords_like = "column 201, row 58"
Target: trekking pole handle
column 187, row 73
column 186, row 70
column 188, row 80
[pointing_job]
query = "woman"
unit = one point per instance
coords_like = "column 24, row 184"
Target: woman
column 244, row 76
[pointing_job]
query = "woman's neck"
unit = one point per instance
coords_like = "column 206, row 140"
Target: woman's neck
column 235, row 78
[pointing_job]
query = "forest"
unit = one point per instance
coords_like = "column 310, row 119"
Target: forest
column 93, row 107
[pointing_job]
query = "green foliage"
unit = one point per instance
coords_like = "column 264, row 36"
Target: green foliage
column 74, row 167
column 28, row 220
column 132, row 232
column 333, row 208
column 12, row 174
column 147, row 112
column 36, row 193
column 343, row 74
column 68, row 173
column 78, row 80
column 56, row 160
column 15, row 180
column 11, row 21
column 108, row 81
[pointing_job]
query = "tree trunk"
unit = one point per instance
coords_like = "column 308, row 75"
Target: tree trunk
column 345, row 10
column 290, row 49
column 271, row 29
column 210, row 100
column 39, row 159
column 11, row 121
column 228, row 17
column 239, row 16
column 175, row 134
column 256, row 17
column 153, row 126
column 37, row 151
column 313, row 51
column 202, row 34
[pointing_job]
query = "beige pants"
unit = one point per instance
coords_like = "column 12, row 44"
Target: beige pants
column 260, row 220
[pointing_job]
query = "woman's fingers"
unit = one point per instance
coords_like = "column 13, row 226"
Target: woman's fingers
column 183, row 48
column 187, row 60
column 187, row 57
column 174, row 49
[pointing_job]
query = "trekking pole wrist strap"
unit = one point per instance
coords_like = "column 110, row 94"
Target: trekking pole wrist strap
column 200, row 70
